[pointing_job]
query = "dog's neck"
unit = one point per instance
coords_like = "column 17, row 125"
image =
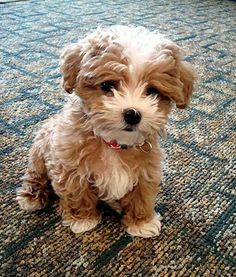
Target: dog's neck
column 113, row 144
column 146, row 146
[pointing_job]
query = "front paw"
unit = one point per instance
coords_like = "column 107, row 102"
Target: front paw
column 147, row 229
column 82, row 225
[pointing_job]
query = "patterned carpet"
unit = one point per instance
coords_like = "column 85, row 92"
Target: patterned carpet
column 197, row 199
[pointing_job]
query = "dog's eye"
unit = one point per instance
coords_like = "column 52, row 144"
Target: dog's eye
column 107, row 86
column 152, row 91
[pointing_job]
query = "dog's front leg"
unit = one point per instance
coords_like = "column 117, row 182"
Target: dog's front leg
column 78, row 203
column 139, row 213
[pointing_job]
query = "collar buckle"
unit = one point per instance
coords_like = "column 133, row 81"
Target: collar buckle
column 146, row 146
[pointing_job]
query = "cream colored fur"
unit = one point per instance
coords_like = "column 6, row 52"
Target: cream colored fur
column 70, row 151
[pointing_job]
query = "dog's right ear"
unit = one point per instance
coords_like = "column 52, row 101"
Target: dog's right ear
column 70, row 65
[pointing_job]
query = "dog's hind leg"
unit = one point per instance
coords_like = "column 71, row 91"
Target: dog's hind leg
column 35, row 191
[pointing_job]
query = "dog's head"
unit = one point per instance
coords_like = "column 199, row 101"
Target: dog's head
column 127, row 79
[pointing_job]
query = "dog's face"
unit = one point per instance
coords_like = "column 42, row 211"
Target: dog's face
column 127, row 79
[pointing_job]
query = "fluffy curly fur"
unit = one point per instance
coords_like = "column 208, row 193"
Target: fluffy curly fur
column 71, row 150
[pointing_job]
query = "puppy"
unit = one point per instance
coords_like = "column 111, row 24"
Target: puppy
column 104, row 144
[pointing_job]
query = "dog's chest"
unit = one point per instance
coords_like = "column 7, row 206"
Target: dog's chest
column 113, row 177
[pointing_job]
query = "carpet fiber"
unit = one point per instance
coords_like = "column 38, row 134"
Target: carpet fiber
column 197, row 199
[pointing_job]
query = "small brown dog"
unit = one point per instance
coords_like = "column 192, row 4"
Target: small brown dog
column 104, row 144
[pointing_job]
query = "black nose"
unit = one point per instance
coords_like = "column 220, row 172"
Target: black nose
column 132, row 116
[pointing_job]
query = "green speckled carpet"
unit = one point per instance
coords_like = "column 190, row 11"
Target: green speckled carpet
column 197, row 199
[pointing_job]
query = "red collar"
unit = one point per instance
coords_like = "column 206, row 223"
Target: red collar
column 115, row 145
column 145, row 147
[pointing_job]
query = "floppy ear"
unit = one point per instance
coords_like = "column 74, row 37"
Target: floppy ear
column 181, row 75
column 70, row 65
column 187, row 77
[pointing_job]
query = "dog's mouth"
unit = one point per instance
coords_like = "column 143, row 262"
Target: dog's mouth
column 129, row 128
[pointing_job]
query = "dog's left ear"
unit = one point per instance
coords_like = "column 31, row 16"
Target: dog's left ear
column 180, row 73
column 70, row 60
column 187, row 77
